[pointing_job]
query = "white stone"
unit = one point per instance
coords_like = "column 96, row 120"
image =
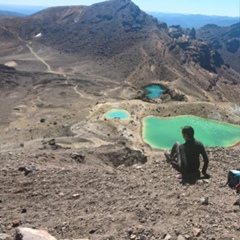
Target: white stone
column 30, row 234
column 180, row 237
column 168, row 237
column 4, row 236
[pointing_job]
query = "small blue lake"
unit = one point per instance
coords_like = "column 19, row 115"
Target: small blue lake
column 117, row 113
column 154, row 90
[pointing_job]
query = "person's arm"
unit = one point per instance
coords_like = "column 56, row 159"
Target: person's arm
column 205, row 159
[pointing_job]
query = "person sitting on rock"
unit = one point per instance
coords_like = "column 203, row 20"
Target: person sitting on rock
column 187, row 156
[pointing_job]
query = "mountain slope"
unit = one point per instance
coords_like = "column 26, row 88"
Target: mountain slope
column 118, row 41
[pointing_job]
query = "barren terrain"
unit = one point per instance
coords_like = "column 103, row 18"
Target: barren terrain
column 65, row 168
column 86, row 183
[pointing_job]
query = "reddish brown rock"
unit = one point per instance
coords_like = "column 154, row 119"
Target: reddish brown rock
column 16, row 223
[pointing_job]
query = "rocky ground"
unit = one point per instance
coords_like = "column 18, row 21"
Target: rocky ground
column 98, row 179
column 111, row 192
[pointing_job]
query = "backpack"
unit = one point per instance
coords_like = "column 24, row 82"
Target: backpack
column 233, row 178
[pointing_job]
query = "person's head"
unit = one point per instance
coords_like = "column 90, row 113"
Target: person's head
column 188, row 132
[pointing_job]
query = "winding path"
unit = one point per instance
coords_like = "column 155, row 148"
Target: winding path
column 75, row 89
column 39, row 58
column 43, row 61
column 52, row 71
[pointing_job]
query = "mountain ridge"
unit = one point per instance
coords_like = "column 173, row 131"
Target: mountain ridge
column 185, row 20
column 194, row 20
column 10, row 14
column 119, row 36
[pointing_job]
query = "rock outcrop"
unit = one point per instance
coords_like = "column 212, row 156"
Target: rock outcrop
column 224, row 40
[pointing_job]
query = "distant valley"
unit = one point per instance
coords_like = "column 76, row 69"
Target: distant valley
column 10, row 14
column 20, row 9
column 194, row 21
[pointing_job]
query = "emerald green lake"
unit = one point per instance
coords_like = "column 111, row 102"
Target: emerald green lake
column 117, row 113
column 154, row 91
column 162, row 133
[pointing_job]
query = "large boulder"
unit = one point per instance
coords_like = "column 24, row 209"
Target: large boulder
column 120, row 154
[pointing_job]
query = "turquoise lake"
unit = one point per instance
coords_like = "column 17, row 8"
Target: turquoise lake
column 154, row 91
column 162, row 133
column 117, row 113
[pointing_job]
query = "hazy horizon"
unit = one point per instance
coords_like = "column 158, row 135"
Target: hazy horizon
column 202, row 7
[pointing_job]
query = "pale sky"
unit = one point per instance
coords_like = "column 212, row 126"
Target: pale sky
column 205, row 7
